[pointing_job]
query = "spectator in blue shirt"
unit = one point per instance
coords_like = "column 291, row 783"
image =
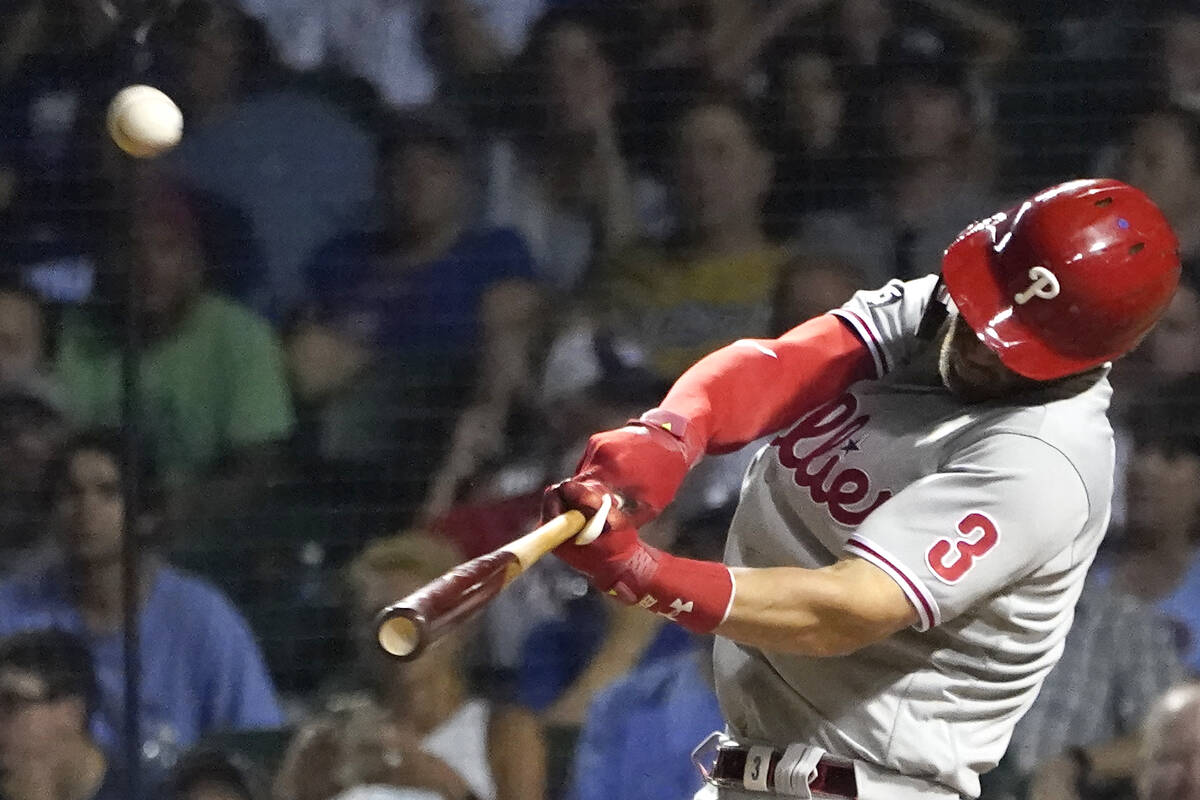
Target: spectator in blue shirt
column 641, row 730
column 428, row 312
column 47, row 694
column 259, row 141
column 201, row 669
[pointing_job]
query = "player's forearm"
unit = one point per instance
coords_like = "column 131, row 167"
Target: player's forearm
column 831, row 611
column 755, row 386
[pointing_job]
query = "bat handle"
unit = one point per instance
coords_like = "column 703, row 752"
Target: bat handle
column 540, row 541
column 406, row 628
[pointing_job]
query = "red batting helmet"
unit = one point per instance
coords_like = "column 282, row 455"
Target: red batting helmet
column 1073, row 277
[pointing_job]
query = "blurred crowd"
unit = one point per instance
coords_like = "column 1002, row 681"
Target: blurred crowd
column 408, row 255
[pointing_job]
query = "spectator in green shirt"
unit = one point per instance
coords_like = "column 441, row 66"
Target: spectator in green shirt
column 214, row 395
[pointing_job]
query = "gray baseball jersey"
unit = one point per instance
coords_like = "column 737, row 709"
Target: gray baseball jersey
column 986, row 515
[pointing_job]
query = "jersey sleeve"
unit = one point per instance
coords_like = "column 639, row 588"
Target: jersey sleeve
column 887, row 319
column 997, row 510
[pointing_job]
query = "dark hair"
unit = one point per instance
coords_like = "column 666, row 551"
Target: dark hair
column 206, row 765
column 926, row 55
column 108, row 442
column 59, row 658
column 554, row 20
column 259, row 62
column 428, row 126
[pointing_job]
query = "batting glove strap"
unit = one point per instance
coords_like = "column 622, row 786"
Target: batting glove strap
column 678, row 426
column 695, row 594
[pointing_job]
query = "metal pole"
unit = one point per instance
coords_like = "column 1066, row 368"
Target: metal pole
column 131, row 349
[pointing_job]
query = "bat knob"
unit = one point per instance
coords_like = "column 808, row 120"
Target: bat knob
column 400, row 631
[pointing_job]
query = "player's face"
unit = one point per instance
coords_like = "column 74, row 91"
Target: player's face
column 972, row 371
column 89, row 510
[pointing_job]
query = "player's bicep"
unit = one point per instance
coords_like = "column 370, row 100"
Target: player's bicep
column 998, row 510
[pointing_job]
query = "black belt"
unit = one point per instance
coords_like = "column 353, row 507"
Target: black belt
column 833, row 778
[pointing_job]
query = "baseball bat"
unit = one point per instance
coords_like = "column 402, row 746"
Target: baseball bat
column 406, row 628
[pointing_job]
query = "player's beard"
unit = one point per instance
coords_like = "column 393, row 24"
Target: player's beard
column 948, row 361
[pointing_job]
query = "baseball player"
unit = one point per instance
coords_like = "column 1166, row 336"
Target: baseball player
column 904, row 561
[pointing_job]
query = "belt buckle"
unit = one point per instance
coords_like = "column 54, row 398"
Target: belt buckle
column 704, row 756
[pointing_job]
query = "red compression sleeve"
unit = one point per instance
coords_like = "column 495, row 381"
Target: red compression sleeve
column 755, row 386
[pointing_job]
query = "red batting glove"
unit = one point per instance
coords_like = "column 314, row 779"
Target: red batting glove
column 696, row 594
column 641, row 465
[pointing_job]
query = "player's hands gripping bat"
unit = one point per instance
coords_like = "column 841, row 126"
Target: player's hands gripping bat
column 407, row 627
column 696, row 594
column 643, row 464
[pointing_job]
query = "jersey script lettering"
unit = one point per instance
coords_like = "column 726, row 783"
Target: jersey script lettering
column 823, row 430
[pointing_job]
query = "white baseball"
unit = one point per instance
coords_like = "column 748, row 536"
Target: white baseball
column 144, row 122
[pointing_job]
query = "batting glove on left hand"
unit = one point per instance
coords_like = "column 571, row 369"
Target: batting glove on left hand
column 696, row 594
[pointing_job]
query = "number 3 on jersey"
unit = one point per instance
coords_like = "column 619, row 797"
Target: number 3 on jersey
column 950, row 559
